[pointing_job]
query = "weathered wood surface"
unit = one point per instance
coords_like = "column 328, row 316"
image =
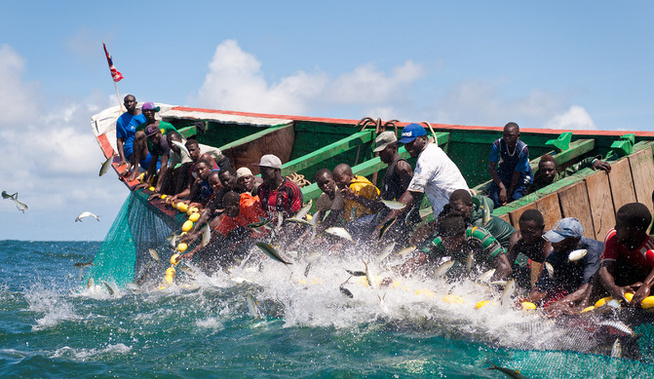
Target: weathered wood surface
column 515, row 215
column 575, row 203
column 550, row 208
column 642, row 171
column 622, row 186
column 601, row 203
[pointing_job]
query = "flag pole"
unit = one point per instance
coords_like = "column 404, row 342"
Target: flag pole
column 115, row 75
column 120, row 104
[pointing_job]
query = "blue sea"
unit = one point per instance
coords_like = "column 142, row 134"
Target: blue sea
column 52, row 325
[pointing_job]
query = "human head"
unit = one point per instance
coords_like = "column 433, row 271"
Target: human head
column 451, row 229
column 511, row 134
column 414, row 138
column 202, row 169
column 228, row 178
column 214, row 181
column 565, row 234
column 193, row 149
column 343, row 175
column 153, row 133
column 326, row 182
column 174, row 136
column 631, row 222
column 270, row 167
column 244, row 179
column 532, row 226
column 385, row 141
column 461, row 201
column 547, row 168
column 232, row 203
column 130, row 103
column 149, row 109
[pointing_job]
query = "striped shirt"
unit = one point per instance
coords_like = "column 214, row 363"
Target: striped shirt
column 481, row 243
column 286, row 199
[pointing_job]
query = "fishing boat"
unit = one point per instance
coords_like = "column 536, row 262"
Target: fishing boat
column 307, row 144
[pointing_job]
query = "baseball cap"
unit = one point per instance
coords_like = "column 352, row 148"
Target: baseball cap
column 411, row 131
column 151, row 130
column 150, row 105
column 384, row 139
column 270, row 160
column 564, row 228
column 243, row 171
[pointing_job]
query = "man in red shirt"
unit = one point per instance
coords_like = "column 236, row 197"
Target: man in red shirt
column 627, row 263
column 277, row 194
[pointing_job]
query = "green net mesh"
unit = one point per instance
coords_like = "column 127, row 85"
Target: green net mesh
column 124, row 253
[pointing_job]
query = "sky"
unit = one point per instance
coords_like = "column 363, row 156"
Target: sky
column 556, row 64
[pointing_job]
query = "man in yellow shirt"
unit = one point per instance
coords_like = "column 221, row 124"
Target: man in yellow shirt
column 360, row 196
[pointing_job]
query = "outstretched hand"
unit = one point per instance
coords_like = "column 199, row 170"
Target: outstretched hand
column 601, row 165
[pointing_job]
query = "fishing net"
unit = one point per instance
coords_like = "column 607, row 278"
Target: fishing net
column 137, row 228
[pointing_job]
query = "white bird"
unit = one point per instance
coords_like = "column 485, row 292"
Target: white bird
column 86, row 214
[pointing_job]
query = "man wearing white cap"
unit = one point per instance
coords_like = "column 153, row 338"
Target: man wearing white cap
column 566, row 282
column 277, row 194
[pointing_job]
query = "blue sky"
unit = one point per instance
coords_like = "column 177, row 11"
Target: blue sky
column 576, row 65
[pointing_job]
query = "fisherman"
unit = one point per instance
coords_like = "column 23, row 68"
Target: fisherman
column 201, row 190
column 330, row 201
column 230, row 239
column 142, row 144
column 159, row 150
column 399, row 173
column 359, row 194
column 469, row 246
column 527, row 247
column 514, row 176
column 566, row 284
column 627, row 263
column 435, row 174
column 547, row 170
column 277, row 194
column 476, row 211
column 175, row 179
column 196, row 152
column 246, row 182
column 125, row 130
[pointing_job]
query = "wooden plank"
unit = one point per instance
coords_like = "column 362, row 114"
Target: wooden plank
column 601, row 203
column 515, row 215
column 622, row 187
column 254, row 136
column 642, row 171
column 329, row 151
column 550, row 208
column 574, row 203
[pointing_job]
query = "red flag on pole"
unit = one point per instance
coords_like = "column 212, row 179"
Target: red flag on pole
column 115, row 74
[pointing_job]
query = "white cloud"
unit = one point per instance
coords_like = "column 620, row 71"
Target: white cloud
column 235, row 81
column 18, row 99
column 574, row 118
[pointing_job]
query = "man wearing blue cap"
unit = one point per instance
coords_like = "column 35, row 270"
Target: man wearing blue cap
column 435, row 174
column 566, row 282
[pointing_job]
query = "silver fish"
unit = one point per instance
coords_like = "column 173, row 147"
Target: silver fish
column 340, row 232
column 443, row 269
column 470, row 261
column 271, row 252
column 550, row 269
column 509, row 290
column 301, row 214
column 368, row 276
column 109, row 289
column 406, row 250
column 387, row 251
column 387, row 225
column 306, row 270
column 82, row 264
column 5, row 195
column 515, row 374
column 486, row 277
column 393, row 204
column 616, row 349
column 154, row 254
column 86, row 214
column 260, row 224
column 90, row 283
column 346, row 292
column 356, row 273
column 21, row 206
column 619, row 325
column 300, row 221
column 182, row 147
column 105, row 166
column 206, row 236
column 576, row 255
column 252, row 306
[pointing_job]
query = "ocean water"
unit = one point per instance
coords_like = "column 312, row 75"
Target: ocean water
column 51, row 325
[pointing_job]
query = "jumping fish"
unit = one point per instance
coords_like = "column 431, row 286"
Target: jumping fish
column 82, row 264
column 387, row 251
column 21, row 206
column 368, row 276
column 515, row 374
column 86, row 214
column 300, row 221
column 261, row 223
column 486, row 277
column 154, row 254
column 509, row 290
column 182, row 147
column 616, row 349
column 252, row 306
column 340, row 232
column 406, row 250
column 90, row 283
column 470, row 261
column 346, row 292
column 105, row 166
column 619, row 325
column 206, row 236
column 302, row 213
column 109, row 289
column 443, row 269
column 550, row 269
column 172, row 239
column 393, row 204
column 387, row 225
column 356, row 273
column 576, row 255
column 271, row 252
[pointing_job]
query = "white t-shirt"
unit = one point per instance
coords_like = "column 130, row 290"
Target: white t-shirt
column 437, row 176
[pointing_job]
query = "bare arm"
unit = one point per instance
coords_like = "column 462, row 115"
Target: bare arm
column 404, row 172
column 514, row 182
column 502, row 267
column 644, row 290
column 162, row 171
column 502, row 196
column 120, row 143
column 608, row 282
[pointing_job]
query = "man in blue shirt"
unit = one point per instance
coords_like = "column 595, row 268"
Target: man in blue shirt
column 513, row 176
column 125, row 130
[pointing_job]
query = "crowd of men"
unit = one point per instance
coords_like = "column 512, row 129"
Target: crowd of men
column 240, row 208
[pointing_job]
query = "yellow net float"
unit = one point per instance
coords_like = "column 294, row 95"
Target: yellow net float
column 587, row 309
column 483, row 303
column 602, row 302
column 187, row 225
column 453, row 299
column 647, row 302
column 175, row 259
column 528, row 306
column 194, row 217
column 181, row 248
column 629, row 296
column 151, row 188
column 192, row 210
column 170, row 275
